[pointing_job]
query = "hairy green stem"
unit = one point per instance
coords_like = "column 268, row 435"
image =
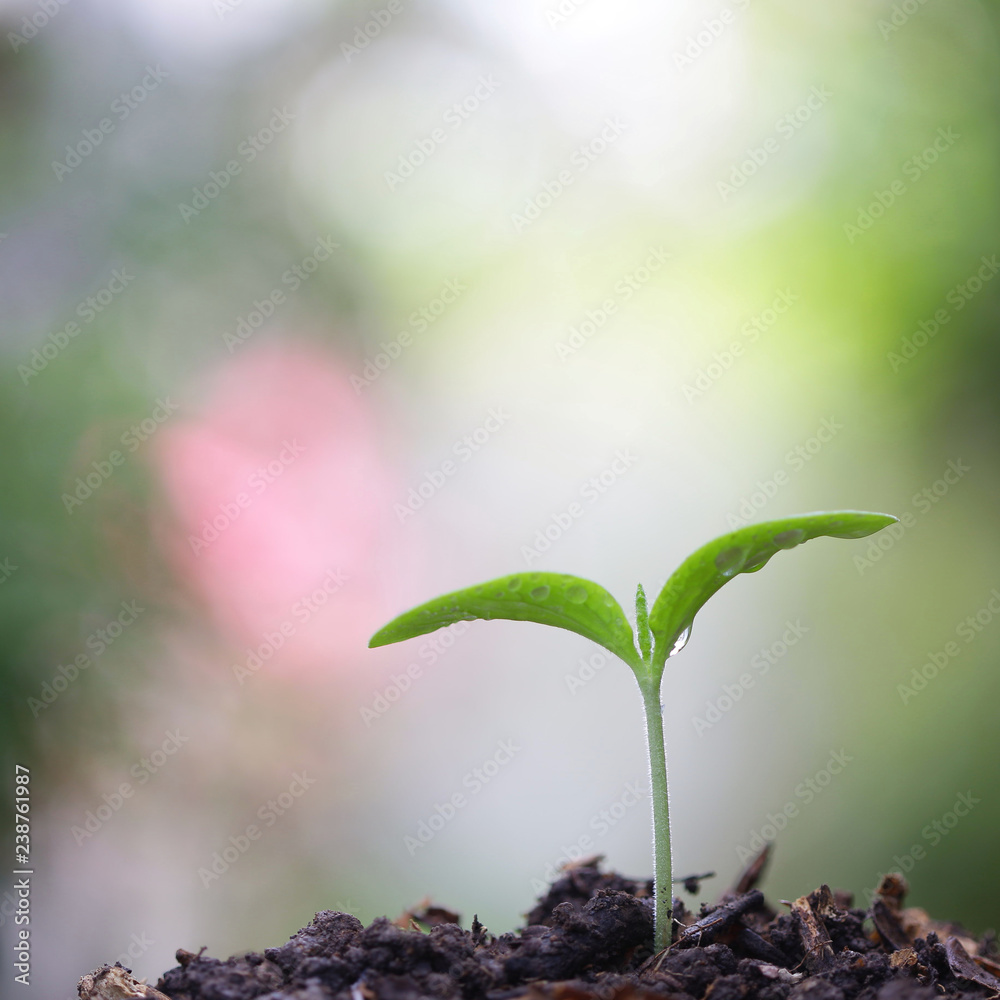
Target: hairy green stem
column 662, row 884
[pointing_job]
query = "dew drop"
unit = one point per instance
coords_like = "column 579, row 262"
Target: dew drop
column 576, row 593
column 757, row 561
column 609, row 601
column 514, row 583
column 852, row 532
column 540, row 593
column 730, row 561
column 680, row 642
column 789, row 539
column 478, row 591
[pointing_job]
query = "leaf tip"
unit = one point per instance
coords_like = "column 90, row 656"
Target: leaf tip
column 380, row 638
column 865, row 523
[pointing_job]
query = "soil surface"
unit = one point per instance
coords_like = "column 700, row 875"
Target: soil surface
column 590, row 937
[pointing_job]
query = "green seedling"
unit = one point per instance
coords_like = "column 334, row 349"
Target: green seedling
column 572, row 603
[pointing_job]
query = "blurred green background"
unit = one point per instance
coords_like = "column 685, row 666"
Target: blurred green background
column 313, row 311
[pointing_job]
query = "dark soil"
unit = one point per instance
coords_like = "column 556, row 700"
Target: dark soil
column 590, row 937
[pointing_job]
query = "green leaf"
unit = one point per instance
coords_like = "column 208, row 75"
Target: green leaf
column 568, row 602
column 744, row 551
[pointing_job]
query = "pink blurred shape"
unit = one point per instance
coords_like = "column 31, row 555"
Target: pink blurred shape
column 278, row 501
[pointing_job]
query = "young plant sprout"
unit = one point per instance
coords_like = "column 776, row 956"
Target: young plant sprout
column 576, row 604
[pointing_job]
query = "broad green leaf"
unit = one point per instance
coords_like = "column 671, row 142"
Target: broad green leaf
column 744, row 551
column 568, row 602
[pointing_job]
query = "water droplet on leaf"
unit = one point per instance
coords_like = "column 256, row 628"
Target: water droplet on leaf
column 681, row 641
column 576, row 593
column 540, row 593
column 757, row 561
column 789, row 539
column 861, row 532
column 514, row 582
column 730, row 561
